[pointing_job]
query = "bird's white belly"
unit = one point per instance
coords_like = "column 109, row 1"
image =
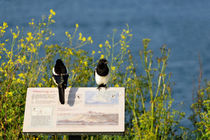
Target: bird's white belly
column 101, row 79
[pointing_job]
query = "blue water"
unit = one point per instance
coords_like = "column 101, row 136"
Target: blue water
column 184, row 25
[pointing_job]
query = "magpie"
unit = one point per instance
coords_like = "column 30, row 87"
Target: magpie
column 60, row 78
column 102, row 73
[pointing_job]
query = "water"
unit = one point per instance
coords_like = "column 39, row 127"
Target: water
column 183, row 25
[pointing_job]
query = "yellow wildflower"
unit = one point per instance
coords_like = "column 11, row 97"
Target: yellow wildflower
column 5, row 25
column 116, row 85
column 30, row 37
column 85, row 63
column 113, row 68
column 80, row 36
column 83, row 39
column 70, row 52
column 9, row 93
column 32, row 22
column 107, row 42
column 93, row 52
column 99, row 51
column 49, row 18
column 21, row 75
column 46, row 38
column 77, row 25
column 52, row 20
column 122, row 36
column 89, row 39
column 100, row 45
column 52, row 12
column 40, row 43
column 9, row 120
column 102, row 56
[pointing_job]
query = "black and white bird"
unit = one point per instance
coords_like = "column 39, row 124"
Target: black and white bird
column 102, row 73
column 60, row 77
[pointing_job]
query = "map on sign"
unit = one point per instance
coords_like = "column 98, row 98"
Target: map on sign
column 85, row 110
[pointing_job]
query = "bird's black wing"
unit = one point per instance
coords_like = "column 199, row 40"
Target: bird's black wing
column 65, row 78
column 57, row 79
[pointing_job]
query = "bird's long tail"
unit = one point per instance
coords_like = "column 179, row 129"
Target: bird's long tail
column 61, row 91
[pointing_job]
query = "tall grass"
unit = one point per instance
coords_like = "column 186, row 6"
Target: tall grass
column 27, row 59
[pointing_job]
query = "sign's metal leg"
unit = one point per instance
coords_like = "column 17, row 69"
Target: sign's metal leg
column 76, row 137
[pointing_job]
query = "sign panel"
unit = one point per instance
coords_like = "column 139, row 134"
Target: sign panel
column 86, row 110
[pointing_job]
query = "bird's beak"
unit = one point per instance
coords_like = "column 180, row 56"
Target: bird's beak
column 106, row 62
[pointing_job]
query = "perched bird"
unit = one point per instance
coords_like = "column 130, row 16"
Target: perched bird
column 60, row 77
column 102, row 73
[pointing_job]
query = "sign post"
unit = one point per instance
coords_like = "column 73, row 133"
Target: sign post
column 86, row 111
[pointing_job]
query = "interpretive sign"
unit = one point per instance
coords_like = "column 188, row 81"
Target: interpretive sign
column 86, row 110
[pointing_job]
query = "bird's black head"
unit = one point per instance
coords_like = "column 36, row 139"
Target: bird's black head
column 103, row 61
column 59, row 61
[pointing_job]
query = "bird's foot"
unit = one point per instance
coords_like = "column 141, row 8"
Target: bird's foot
column 101, row 85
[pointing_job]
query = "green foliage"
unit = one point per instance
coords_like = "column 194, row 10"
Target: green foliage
column 201, row 112
column 27, row 60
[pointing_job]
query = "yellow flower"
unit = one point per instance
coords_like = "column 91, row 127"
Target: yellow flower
column 5, row 25
column 9, row 120
column 9, row 93
column 49, row 18
column 40, row 84
column 93, row 52
column 102, row 56
column 100, row 45
column 107, row 42
column 113, row 68
column 46, row 38
column 128, row 79
column 70, row 52
column 52, row 12
column 90, row 39
column 77, row 25
column 32, row 22
column 66, row 33
column 2, row 44
column 21, row 75
column 32, row 45
column 99, row 51
column 122, row 36
column 116, row 85
column 83, row 39
column 15, row 35
column 85, row 63
column 30, row 37
column 80, row 36
column 39, row 44
column 52, row 20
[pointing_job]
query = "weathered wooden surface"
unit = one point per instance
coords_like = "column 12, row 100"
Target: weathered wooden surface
column 86, row 110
